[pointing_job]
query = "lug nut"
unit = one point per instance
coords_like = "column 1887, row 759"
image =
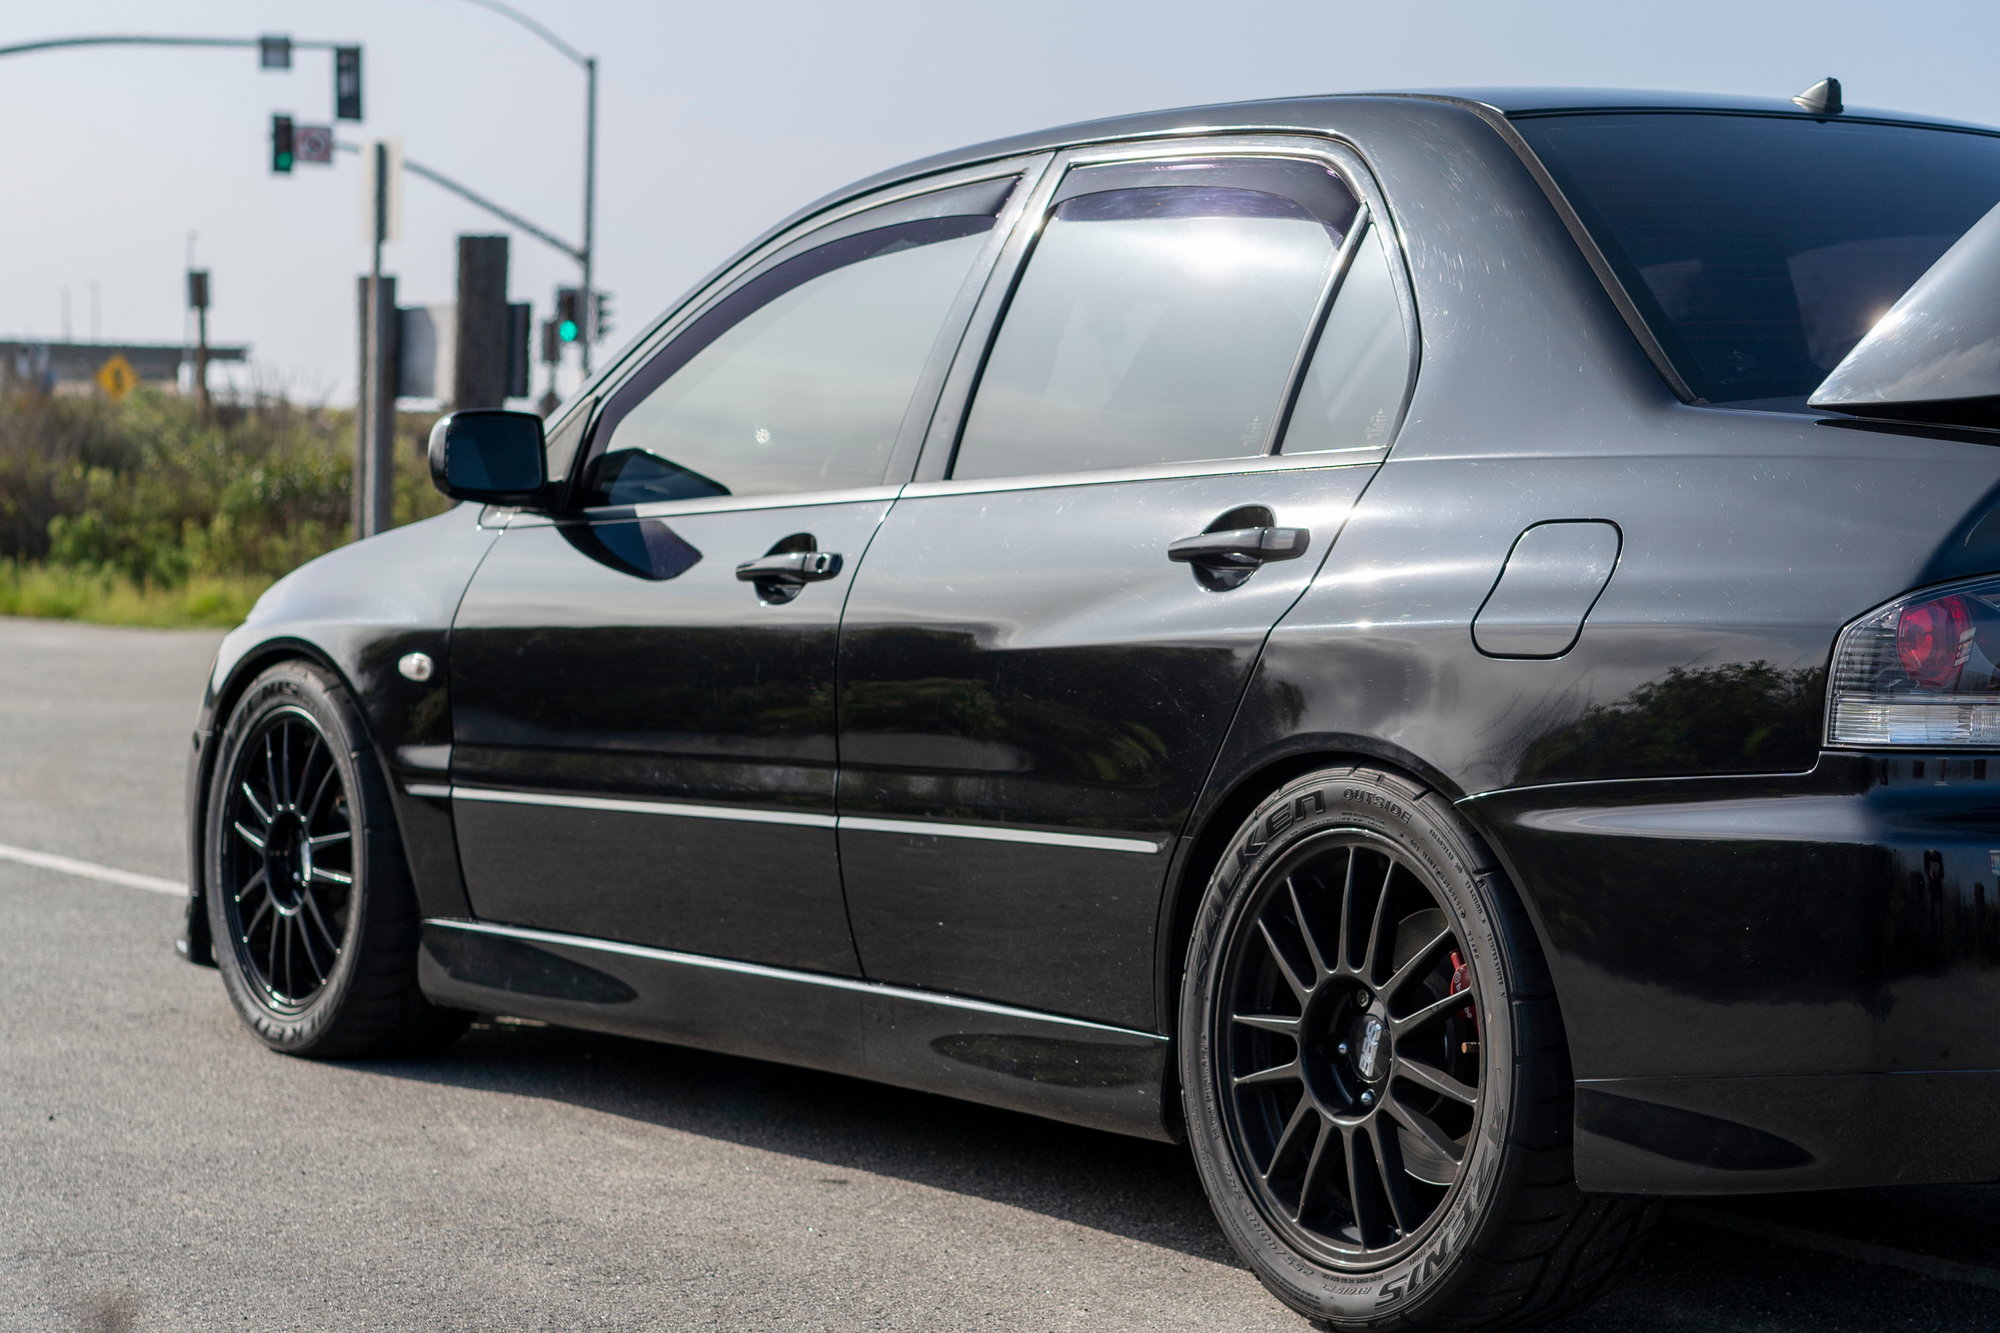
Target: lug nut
column 1367, row 1098
column 1342, row 1048
column 1362, row 998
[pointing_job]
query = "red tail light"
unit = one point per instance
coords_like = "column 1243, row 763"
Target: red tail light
column 1933, row 640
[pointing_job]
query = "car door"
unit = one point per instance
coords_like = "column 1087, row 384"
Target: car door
column 642, row 687
column 1043, row 652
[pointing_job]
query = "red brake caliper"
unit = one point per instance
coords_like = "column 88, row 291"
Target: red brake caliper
column 1461, row 979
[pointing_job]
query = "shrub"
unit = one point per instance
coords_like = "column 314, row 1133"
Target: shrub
column 147, row 496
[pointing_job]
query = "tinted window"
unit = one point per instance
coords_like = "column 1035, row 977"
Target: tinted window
column 1352, row 397
column 1153, row 324
column 1761, row 248
column 796, row 382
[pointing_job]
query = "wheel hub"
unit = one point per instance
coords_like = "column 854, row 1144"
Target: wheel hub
column 1371, row 1050
column 288, row 858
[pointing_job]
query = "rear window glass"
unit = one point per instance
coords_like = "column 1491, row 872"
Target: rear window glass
column 1761, row 248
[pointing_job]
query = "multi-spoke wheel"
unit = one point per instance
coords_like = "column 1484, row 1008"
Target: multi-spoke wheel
column 1373, row 1070
column 1350, row 1045
column 308, row 899
column 287, row 879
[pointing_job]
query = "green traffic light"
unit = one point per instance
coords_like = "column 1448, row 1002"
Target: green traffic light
column 567, row 330
column 284, row 162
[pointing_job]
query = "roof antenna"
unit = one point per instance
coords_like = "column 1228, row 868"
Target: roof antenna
column 1822, row 99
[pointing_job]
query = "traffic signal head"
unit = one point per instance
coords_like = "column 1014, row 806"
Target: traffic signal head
column 347, row 83
column 569, row 314
column 281, row 145
column 600, row 321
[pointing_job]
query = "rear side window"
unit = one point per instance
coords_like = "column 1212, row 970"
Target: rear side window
column 1761, row 248
column 1159, row 318
column 1352, row 396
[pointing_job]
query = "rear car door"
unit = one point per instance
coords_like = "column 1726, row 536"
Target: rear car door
column 1033, row 685
column 644, row 727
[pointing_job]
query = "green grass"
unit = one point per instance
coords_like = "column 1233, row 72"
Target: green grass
column 152, row 512
column 55, row 592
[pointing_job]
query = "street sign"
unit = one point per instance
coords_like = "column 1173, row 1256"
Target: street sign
column 117, row 378
column 312, row 143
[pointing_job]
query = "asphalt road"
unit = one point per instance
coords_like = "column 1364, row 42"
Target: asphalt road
column 159, row 1170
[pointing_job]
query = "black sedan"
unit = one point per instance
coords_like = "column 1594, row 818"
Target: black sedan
column 1443, row 648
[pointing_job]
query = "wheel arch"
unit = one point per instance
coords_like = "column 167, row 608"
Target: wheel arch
column 1230, row 797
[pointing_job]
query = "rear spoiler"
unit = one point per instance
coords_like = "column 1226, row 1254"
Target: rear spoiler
column 1936, row 355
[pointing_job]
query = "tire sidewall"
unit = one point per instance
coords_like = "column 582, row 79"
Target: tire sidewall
column 1400, row 813
column 292, row 685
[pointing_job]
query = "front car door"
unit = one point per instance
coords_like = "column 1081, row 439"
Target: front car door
column 1032, row 690
column 643, row 687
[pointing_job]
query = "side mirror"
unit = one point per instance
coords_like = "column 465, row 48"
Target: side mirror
column 490, row 456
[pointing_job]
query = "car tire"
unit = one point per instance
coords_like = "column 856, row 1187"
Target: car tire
column 1326, row 1067
column 309, row 899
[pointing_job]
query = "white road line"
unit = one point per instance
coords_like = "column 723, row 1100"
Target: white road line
column 69, row 865
column 1861, row 1251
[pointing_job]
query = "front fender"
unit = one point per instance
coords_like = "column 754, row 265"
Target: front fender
column 357, row 611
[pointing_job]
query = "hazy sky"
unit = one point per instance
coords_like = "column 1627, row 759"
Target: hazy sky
column 717, row 119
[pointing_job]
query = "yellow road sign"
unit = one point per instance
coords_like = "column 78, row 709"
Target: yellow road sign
column 117, row 378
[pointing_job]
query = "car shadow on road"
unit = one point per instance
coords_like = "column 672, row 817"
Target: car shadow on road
column 1704, row 1272
column 1129, row 1187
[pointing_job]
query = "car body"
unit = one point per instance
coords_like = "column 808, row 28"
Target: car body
column 941, row 817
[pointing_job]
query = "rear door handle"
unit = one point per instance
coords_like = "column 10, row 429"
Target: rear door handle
column 1240, row 548
column 792, row 569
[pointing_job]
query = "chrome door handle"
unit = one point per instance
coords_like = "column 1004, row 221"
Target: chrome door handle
column 1240, row 548
column 790, row 569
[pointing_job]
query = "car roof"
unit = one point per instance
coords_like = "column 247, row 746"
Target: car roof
column 1530, row 101
column 1298, row 112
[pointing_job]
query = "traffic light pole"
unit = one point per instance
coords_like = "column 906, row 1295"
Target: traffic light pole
column 588, row 338
column 588, row 64
column 59, row 43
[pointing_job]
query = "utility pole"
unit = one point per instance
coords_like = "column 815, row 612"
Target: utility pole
column 375, row 406
column 198, row 302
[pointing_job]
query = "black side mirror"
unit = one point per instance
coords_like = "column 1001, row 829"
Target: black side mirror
column 490, row 456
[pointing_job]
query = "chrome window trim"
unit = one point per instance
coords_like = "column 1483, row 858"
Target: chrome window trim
column 1219, row 467
column 854, row 985
column 924, row 828
column 720, row 504
column 1326, row 150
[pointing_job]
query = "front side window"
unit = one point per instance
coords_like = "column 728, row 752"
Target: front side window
column 1761, row 248
column 1158, row 319
column 797, row 381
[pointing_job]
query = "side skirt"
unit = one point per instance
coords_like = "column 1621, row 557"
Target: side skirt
column 1069, row 1069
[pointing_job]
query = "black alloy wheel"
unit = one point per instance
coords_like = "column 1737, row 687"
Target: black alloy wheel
column 288, row 868
column 1376, row 1084
column 308, row 897
column 1351, row 1049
